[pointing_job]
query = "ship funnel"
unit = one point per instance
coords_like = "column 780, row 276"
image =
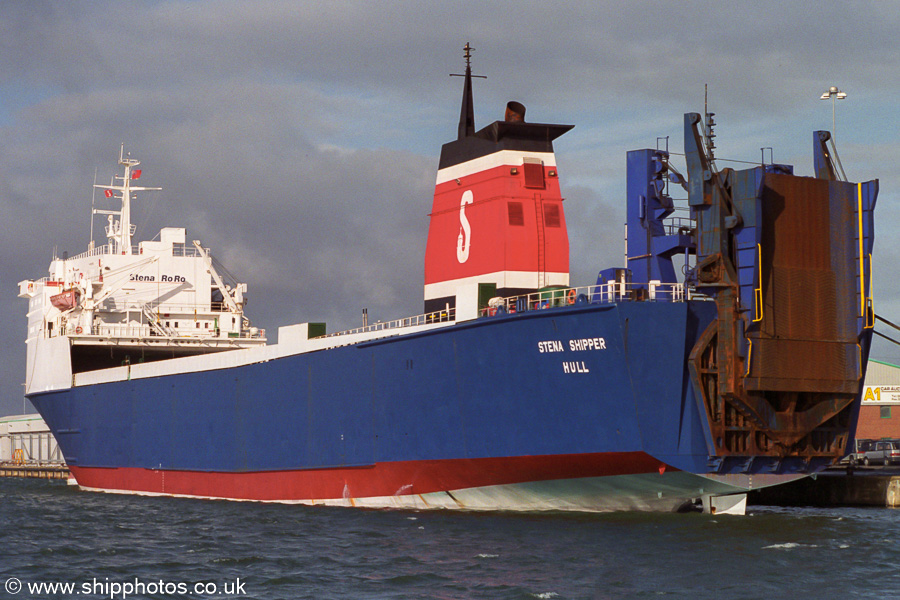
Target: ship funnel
column 497, row 220
column 515, row 112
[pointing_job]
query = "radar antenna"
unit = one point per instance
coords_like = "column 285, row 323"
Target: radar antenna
column 467, row 112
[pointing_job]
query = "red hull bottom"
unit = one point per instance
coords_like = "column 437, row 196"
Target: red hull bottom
column 593, row 482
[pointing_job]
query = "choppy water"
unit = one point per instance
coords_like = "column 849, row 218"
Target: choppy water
column 50, row 532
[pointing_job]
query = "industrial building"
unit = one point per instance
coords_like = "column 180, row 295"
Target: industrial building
column 26, row 440
column 879, row 416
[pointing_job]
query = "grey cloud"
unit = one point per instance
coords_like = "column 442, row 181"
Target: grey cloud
column 300, row 140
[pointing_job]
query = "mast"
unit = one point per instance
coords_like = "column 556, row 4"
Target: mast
column 120, row 232
column 467, row 111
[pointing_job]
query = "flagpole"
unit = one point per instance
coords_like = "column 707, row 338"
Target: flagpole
column 93, row 195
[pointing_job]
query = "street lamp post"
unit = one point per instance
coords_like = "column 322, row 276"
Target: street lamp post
column 834, row 94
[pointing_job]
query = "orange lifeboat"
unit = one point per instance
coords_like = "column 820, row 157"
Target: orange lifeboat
column 66, row 299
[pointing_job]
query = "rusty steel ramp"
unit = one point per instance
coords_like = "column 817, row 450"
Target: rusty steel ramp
column 787, row 260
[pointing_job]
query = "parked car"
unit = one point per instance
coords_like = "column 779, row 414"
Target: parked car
column 856, row 457
column 885, row 452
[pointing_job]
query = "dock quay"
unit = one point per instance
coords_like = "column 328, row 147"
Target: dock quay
column 878, row 486
column 8, row 469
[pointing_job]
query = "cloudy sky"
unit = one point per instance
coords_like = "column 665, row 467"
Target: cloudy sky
column 299, row 140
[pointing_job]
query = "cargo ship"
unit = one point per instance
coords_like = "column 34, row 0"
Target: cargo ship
column 726, row 354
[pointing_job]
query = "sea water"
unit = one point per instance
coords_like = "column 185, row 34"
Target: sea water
column 117, row 546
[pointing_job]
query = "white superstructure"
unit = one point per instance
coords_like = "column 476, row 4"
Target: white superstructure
column 122, row 304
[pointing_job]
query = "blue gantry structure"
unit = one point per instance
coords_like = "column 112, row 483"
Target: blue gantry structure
column 787, row 260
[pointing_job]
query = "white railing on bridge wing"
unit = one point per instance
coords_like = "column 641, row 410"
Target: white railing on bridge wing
column 95, row 251
column 106, row 249
column 606, row 293
column 440, row 316
column 185, row 250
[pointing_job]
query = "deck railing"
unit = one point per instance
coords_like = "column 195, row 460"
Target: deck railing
column 144, row 331
column 440, row 316
column 679, row 225
column 165, row 309
column 607, row 293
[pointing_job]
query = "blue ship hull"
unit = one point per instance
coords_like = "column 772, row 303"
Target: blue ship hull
column 522, row 393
